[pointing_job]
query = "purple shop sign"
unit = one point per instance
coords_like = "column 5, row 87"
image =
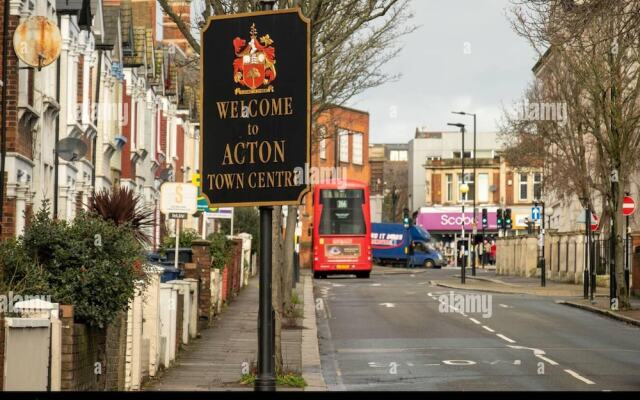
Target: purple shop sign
column 452, row 220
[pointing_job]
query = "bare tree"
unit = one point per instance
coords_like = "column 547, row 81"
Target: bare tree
column 351, row 41
column 592, row 66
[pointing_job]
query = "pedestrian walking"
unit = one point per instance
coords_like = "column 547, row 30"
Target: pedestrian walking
column 493, row 252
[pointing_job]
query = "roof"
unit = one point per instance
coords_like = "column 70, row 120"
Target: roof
column 110, row 15
column 135, row 58
column 68, row 6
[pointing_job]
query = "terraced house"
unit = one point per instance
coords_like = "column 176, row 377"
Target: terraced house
column 116, row 104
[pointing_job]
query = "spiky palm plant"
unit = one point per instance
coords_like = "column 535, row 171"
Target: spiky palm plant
column 122, row 207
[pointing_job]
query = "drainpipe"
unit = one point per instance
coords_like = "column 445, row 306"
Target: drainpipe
column 56, row 160
column 3, row 134
column 95, row 120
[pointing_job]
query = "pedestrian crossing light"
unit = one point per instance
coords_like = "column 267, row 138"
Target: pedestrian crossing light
column 406, row 218
column 507, row 218
column 499, row 219
column 485, row 221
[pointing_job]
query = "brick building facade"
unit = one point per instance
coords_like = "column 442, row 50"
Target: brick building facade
column 341, row 140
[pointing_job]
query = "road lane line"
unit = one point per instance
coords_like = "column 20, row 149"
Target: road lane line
column 550, row 361
column 489, row 329
column 475, row 321
column 501, row 336
column 579, row 377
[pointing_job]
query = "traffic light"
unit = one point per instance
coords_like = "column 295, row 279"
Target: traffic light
column 499, row 219
column 507, row 218
column 485, row 221
column 406, row 218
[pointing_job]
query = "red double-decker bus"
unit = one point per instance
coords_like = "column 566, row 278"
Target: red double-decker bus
column 341, row 229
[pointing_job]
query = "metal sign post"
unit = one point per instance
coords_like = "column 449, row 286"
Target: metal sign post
column 628, row 208
column 255, row 123
column 613, row 297
column 177, row 201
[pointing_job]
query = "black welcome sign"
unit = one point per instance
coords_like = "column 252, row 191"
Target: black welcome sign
column 255, row 115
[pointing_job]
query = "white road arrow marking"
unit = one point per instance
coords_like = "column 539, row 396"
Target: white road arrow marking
column 536, row 352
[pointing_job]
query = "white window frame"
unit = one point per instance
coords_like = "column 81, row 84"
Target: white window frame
column 524, row 183
column 343, row 146
column 322, row 151
column 449, row 183
column 357, row 149
column 483, row 188
column 538, row 182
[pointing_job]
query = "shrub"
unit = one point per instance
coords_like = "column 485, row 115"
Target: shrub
column 123, row 207
column 19, row 273
column 220, row 250
column 91, row 263
column 186, row 238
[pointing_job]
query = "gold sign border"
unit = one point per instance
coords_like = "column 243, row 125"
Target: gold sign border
column 307, row 21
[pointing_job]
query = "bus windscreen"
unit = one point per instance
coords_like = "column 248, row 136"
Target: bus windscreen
column 342, row 212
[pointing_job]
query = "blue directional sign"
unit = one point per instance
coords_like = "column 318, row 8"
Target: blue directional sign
column 535, row 213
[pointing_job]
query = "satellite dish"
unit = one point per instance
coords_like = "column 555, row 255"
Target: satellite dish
column 71, row 149
column 37, row 41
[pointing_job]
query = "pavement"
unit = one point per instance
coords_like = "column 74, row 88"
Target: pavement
column 490, row 281
column 400, row 331
column 216, row 360
column 572, row 294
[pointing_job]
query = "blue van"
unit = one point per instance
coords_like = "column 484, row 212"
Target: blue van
column 393, row 244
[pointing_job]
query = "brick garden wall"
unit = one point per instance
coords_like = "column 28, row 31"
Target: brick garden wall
column 81, row 349
column 201, row 270
column 115, row 350
column 179, row 321
column 1, row 352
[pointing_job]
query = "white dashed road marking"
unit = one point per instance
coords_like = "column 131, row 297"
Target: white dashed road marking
column 489, row 329
column 579, row 377
column 503, row 337
column 543, row 358
column 475, row 321
column 459, row 362
column 388, row 305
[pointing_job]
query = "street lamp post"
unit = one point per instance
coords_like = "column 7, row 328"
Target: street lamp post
column 464, row 189
column 266, row 379
column 394, row 203
column 473, row 260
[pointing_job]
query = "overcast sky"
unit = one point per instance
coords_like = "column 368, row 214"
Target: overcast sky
column 438, row 77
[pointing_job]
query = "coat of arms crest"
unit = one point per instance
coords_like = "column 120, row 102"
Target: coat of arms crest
column 254, row 66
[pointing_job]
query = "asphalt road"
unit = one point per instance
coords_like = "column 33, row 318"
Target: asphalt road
column 395, row 332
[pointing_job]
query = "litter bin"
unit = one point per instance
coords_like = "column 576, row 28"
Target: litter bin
column 170, row 272
column 185, row 255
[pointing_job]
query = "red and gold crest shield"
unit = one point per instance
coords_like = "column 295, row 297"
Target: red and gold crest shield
column 254, row 65
column 253, row 75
